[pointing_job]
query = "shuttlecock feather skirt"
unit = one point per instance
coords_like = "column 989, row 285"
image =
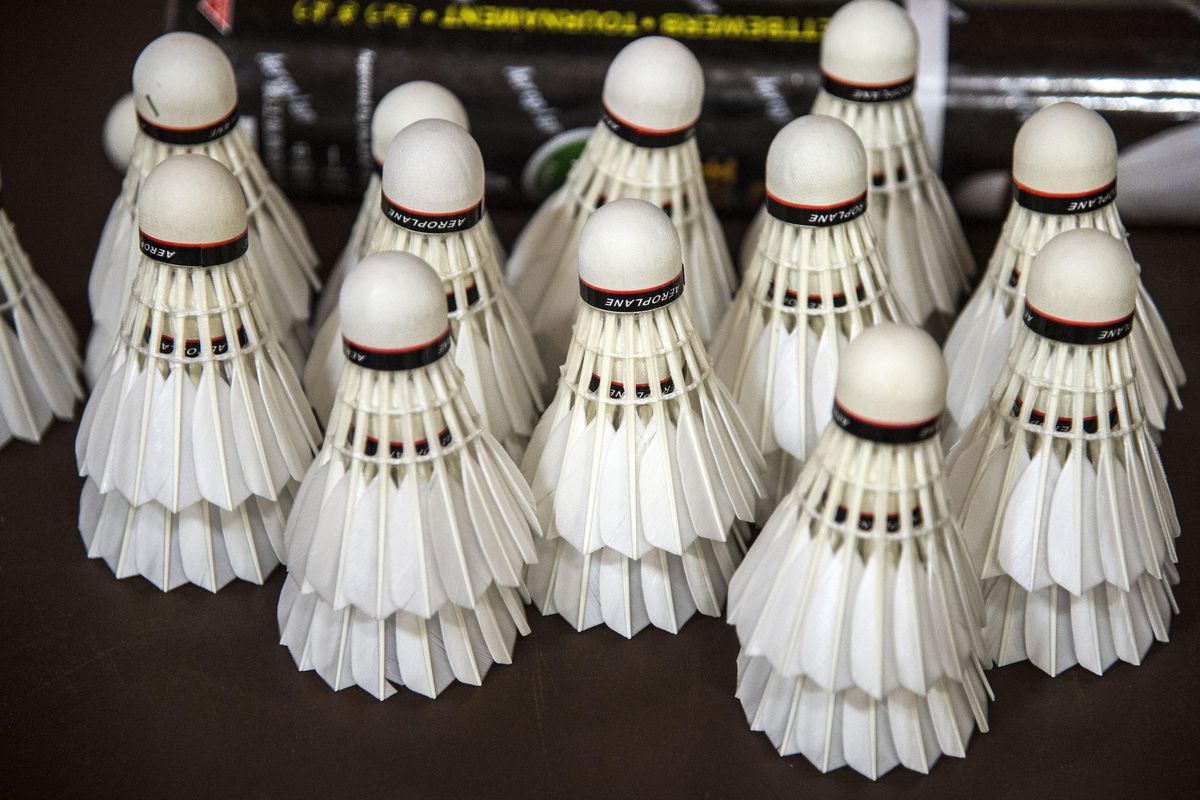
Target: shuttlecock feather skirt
column 639, row 468
column 860, row 616
column 923, row 242
column 38, row 361
column 1065, row 505
column 978, row 344
column 778, row 350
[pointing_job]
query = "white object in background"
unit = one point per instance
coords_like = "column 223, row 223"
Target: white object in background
column 186, row 99
column 868, row 67
column 1064, row 177
column 197, row 430
column 932, row 21
column 1156, row 176
column 431, row 205
column 642, row 465
column 858, row 613
column 814, row 281
column 1060, row 489
column 396, row 110
column 412, row 529
column 39, row 360
column 120, row 132
column 644, row 147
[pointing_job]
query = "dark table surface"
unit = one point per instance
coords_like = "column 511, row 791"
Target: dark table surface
column 112, row 688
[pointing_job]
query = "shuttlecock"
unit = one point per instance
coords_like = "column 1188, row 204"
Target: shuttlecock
column 1062, row 495
column 644, row 147
column 120, row 132
column 642, row 463
column 39, row 364
column 186, row 99
column 399, row 108
column 868, row 64
column 412, row 528
column 197, row 431
column 858, row 610
column 431, row 205
column 815, row 280
column 1064, row 177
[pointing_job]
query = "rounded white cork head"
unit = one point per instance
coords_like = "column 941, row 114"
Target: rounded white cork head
column 892, row 375
column 120, row 131
column 190, row 199
column 183, row 81
column 433, row 167
column 1065, row 149
column 392, row 301
column 408, row 103
column 629, row 246
column 1083, row 276
column 816, row 161
column 870, row 42
column 654, row 84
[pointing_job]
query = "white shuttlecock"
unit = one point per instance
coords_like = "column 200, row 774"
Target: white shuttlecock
column 858, row 610
column 413, row 527
column 186, row 99
column 399, row 108
column 1061, row 493
column 642, row 464
column 39, row 363
column 815, row 280
column 644, row 147
column 868, row 64
column 120, row 132
column 431, row 205
column 1064, row 177
column 197, row 430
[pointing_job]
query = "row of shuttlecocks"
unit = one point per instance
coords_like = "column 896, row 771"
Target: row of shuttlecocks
column 884, row 580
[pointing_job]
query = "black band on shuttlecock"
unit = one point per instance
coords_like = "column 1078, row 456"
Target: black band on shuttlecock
column 396, row 449
column 635, row 301
column 395, row 360
column 645, row 137
column 194, row 255
column 868, row 93
column 193, row 348
column 1080, row 203
column 1068, row 332
column 1091, row 423
column 452, row 298
column 885, row 433
column 431, row 223
column 816, row 216
column 791, row 298
column 616, row 389
column 198, row 135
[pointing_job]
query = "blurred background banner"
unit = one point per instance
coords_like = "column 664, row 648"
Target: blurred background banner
column 530, row 75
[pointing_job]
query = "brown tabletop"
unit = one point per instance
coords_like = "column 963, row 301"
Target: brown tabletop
column 111, row 688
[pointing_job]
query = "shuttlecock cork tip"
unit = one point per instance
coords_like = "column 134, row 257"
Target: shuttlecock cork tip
column 393, row 302
column 184, row 84
column 629, row 247
column 892, row 377
column 120, row 131
column 409, row 103
column 654, row 85
column 433, row 167
column 816, row 162
column 1065, row 149
column 1084, row 277
column 870, row 43
column 191, row 200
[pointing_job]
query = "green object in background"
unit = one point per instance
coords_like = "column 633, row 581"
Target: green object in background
column 547, row 168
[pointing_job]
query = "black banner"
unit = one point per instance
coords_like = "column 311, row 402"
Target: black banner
column 188, row 136
column 1068, row 332
column 635, row 301
column 394, row 360
column 885, row 433
column 194, row 255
